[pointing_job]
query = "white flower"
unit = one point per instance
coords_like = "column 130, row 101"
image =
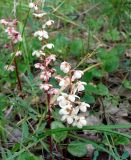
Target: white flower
column 72, row 97
column 45, row 75
column 40, row 15
column 64, row 82
column 65, row 67
column 40, row 66
column 65, row 109
column 9, row 68
column 64, row 103
column 53, row 91
column 38, row 53
column 18, row 53
column 45, row 86
column 4, row 22
column 80, row 86
column 62, row 97
column 68, row 113
column 77, row 74
column 62, row 100
column 33, row 6
column 49, row 46
column 68, row 118
column 13, row 35
column 49, row 59
column 83, row 106
column 52, row 57
column 48, row 23
column 79, row 121
column 41, row 34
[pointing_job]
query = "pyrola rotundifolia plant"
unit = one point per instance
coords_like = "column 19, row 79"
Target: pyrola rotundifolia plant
column 72, row 110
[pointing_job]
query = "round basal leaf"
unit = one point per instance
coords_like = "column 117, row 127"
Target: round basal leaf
column 58, row 136
column 77, row 148
column 102, row 90
column 88, row 99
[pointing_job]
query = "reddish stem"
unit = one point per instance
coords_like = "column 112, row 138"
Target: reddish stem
column 16, row 68
column 49, row 123
column 17, row 74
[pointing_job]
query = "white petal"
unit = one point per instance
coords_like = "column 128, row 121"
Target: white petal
column 63, row 111
column 83, row 108
column 71, row 98
column 69, row 120
column 64, row 117
column 83, row 122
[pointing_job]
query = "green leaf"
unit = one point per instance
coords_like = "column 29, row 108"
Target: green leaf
column 76, row 47
column 125, row 155
column 110, row 60
column 25, row 130
column 121, row 140
column 60, row 136
column 88, row 99
column 112, row 34
column 77, row 148
column 28, row 156
column 102, row 90
column 90, row 88
column 127, row 84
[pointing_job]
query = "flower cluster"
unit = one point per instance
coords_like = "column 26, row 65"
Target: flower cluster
column 46, row 73
column 13, row 35
column 46, row 61
column 72, row 110
column 42, row 33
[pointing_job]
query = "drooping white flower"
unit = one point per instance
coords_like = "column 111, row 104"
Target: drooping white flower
column 72, row 97
column 39, row 15
column 53, row 91
column 65, row 109
column 38, row 53
column 3, row 22
column 49, row 46
column 45, row 86
column 48, row 23
column 45, row 75
column 77, row 74
column 68, row 113
column 18, row 53
column 62, row 100
column 33, row 6
column 40, row 66
column 79, row 121
column 83, row 106
column 50, row 59
column 64, row 82
column 41, row 34
column 9, row 68
column 81, row 86
column 65, row 67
